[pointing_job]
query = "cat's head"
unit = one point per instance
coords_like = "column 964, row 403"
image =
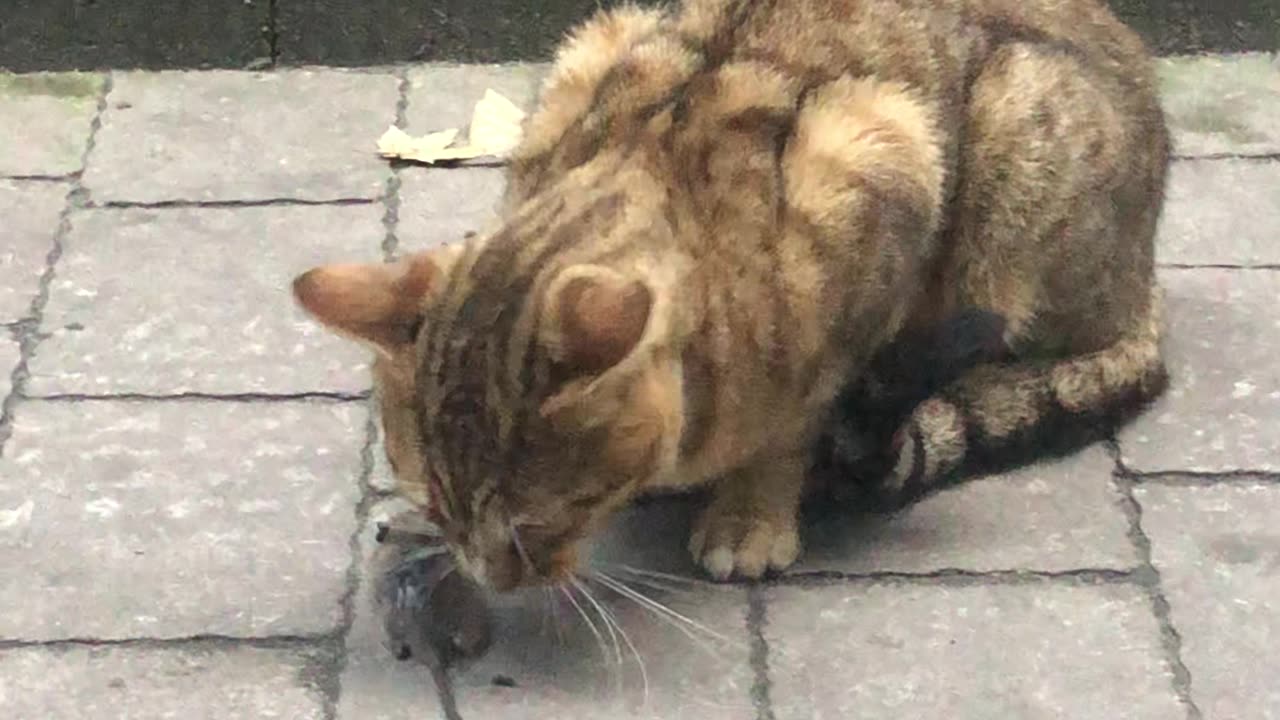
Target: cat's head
column 529, row 383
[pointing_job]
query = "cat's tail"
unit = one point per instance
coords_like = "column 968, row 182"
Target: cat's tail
column 1001, row 415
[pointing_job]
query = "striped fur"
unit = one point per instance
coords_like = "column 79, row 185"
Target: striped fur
column 720, row 215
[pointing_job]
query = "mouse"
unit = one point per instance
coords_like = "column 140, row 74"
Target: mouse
column 432, row 613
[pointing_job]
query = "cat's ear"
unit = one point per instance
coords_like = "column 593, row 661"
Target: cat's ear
column 376, row 303
column 597, row 317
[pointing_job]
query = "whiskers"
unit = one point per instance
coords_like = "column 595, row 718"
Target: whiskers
column 696, row 632
column 615, row 644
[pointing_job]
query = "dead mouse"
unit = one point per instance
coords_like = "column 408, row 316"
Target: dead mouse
column 431, row 613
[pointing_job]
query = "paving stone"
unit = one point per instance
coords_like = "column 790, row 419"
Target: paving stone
column 381, row 479
column 444, row 96
column 1030, row 652
column 1218, row 553
column 1221, row 212
column 199, row 136
column 31, row 212
column 50, row 115
column 176, row 519
column 564, row 674
column 197, row 300
column 1222, row 411
column 141, row 683
column 1050, row 517
column 9, row 356
column 439, row 206
column 1223, row 104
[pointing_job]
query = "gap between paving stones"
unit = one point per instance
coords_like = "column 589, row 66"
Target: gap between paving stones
column 1217, row 266
column 391, row 198
column 1260, row 157
column 330, row 682
column 220, row 204
column 210, row 642
column 322, row 397
column 27, row 331
column 1181, row 478
column 41, row 178
column 1148, row 578
column 757, row 620
column 955, row 577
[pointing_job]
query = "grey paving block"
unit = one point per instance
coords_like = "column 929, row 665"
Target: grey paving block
column 142, row 683
column 1218, row 554
column 565, row 672
column 1222, row 411
column 439, row 206
column 444, row 96
column 9, row 355
column 1053, row 516
column 31, row 212
column 301, row 134
column 177, row 519
column 45, row 119
column 1223, row 104
column 1221, row 212
column 1040, row 651
column 198, row 300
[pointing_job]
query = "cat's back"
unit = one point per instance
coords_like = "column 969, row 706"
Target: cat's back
column 934, row 45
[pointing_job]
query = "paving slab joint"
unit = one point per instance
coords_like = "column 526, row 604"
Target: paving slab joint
column 1184, row 478
column 1256, row 157
column 327, row 673
column 391, row 200
column 757, row 620
column 222, row 204
column 955, row 577
column 1149, row 580
column 27, row 330
column 65, row 177
column 262, row 398
column 1218, row 266
column 207, row 642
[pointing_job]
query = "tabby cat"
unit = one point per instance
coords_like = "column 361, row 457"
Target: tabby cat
column 719, row 214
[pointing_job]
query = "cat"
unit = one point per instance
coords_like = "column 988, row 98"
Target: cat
column 719, row 214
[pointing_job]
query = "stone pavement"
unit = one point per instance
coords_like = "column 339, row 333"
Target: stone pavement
column 189, row 471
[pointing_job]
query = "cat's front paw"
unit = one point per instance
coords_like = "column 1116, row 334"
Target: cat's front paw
column 727, row 544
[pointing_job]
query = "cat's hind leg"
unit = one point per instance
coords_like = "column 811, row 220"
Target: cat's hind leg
column 1001, row 415
column 1052, row 230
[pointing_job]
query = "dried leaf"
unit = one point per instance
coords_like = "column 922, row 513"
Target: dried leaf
column 496, row 125
column 495, row 131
